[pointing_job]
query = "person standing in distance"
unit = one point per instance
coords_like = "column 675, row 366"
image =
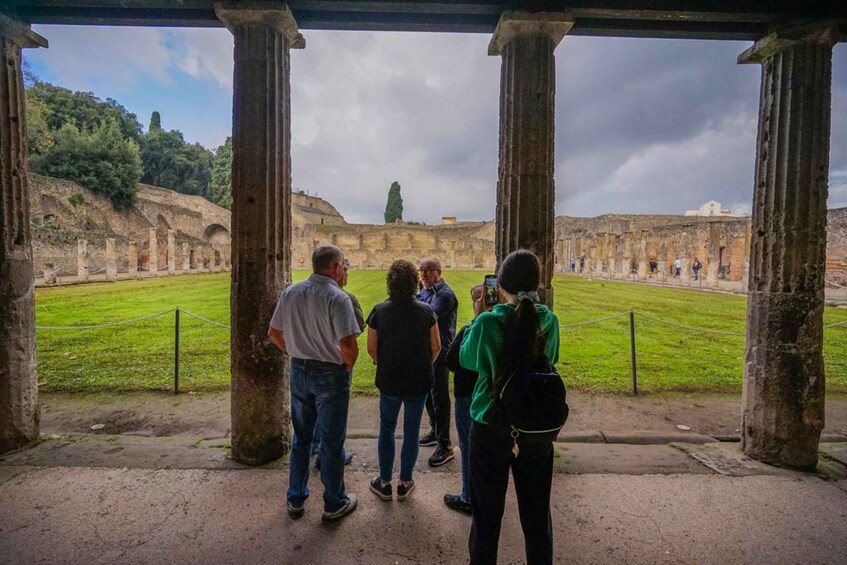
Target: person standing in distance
column 444, row 303
column 315, row 325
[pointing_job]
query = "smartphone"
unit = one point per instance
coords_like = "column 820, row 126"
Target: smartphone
column 490, row 286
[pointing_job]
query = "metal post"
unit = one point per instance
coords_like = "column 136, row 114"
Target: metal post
column 632, row 352
column 176, row 351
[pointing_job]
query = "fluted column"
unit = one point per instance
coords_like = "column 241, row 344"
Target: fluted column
column 525, row 188
column 19, row 412
column 783, row 371
column 82, row 259
column 111, row 261
column 171, row 252
column 153, row 260
column 261, row 224
column 132, row 260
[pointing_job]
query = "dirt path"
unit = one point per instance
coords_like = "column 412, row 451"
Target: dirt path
column 207, row 414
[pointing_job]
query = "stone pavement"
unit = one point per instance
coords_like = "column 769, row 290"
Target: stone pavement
column 101, row 498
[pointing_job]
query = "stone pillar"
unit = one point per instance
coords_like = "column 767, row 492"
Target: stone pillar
column 261, row 224
column 186, row 259
column 19, row 411
column 783, row 366
column 132, row 260
column 82, row 259
column 111, row 261
column 525, row 189
column 216, row 260
column 153, row 261
column 171, row 253
column 49, row 273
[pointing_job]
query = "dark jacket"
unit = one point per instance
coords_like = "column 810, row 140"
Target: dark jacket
column 444, row 302
column 464, row 380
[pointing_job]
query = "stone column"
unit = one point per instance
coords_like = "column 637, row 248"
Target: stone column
column 132, row 260
column 171, row 253
column 525, row 189
column 111, row 261
column 82, row 259
column 186, row 259
column 19, row 411
column 783, row 367
column 49, row 273
column 261, row 224
column 153, row 261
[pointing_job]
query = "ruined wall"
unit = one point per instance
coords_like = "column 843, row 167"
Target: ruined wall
column 836, row 242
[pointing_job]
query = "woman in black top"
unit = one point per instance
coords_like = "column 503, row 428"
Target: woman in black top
column 403, row 341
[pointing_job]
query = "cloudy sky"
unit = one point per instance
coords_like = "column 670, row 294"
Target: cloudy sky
column 642, row 126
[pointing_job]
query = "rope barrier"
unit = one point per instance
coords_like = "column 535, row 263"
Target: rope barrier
column 684, row 327
column 612, row 317
column 201, row 318
column 110, row 325
column 837, row 324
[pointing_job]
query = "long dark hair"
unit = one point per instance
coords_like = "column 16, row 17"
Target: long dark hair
column 522, row 343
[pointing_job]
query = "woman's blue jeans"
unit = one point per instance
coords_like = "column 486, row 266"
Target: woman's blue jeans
column 389, row 410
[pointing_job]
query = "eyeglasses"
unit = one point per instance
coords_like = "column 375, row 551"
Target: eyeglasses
column 428, row 270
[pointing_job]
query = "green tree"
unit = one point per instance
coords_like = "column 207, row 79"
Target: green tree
column 103, row 161
column 170, row 162
column 83, row 109
column 220, row 187
column 155, row 121
column 39, row 134
column 394, row 205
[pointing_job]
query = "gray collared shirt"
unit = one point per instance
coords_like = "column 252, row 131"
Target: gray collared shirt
column 315, row 315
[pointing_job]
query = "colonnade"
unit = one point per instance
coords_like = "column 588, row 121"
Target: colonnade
column 783, row 376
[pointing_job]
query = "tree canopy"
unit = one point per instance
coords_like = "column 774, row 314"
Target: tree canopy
column 394, row 204
column 220, row 188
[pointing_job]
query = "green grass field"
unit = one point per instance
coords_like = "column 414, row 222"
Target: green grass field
column 594, row 357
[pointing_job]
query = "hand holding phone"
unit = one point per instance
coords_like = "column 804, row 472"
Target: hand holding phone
column 490, row 291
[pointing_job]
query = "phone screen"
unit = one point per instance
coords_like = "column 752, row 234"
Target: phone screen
column 490, row 290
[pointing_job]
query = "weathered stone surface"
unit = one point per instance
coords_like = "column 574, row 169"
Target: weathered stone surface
column 132, row 260
column 82, row 259
column 261, row 244
column 153, row 252
column 525, row 189
column 111, row 261
column 19, row 412
column 171, row 253
column 186, row 259
column 784, row 373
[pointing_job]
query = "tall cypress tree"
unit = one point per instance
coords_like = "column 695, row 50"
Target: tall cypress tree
column 155, row 121
column 394, row 205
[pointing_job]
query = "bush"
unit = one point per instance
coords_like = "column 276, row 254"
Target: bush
column 101, row 161
column 77, row 199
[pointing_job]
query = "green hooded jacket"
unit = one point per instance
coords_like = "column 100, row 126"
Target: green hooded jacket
column 484, row 342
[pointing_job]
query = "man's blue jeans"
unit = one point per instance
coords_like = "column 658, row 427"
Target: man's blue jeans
column 463, row 429
column 320, row 397
column 389, row 410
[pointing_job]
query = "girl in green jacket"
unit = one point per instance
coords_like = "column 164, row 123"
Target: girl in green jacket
column 515, row 333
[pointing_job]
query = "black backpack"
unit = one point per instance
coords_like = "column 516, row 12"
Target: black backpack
column 530, row 404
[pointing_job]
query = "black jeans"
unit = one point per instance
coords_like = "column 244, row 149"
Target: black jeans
column 438, row 402
column 491, row 458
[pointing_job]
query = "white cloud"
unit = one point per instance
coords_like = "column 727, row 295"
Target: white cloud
column 203, row 53
column 84, row 57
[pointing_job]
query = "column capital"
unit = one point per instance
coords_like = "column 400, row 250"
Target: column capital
column 817, row 33
column 514, row 24
column 275, row 15
column 20, row 33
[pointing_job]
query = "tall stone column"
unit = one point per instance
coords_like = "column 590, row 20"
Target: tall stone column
column 783, row 366
column 19, row 412
column 82, row 259
column 171, row 253
column 111, row 261
column 525, row 189
column 153, row 260
column 186, row 259
column 261, row 223
column 132, row 260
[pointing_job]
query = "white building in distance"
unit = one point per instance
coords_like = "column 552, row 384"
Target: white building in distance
column 712, row 208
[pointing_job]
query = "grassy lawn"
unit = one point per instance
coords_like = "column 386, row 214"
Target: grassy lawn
column 593, row 357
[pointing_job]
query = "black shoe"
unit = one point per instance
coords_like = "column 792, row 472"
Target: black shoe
column 428, row 439
column 404, row 490
column 348, row 508
column 295, row 511
column 455, row 502
column 381, row 490
column 348, row 458
column 440, row 456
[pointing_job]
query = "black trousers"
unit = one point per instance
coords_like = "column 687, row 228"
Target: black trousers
column 438, row 402
column 491, row 458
